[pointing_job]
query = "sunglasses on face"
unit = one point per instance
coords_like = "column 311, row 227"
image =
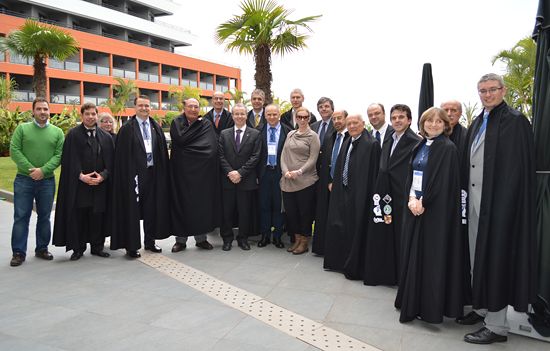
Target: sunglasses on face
column 302, row 117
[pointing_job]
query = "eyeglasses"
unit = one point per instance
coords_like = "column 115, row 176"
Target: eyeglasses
column 302, row 117
column 490, row 91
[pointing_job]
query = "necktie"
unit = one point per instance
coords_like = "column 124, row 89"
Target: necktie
column 482, row 128
column 272, row 159
column 147, row 136
column 322, row 132
column 238, row 139
column 377, row 136
column 334, row 156
column 217, row 119
column 346, row 166
column 256, row 119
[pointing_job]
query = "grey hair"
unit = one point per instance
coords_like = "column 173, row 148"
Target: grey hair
column 258, row 92
column 297, row 91
column 239, row 105
column 491, row 76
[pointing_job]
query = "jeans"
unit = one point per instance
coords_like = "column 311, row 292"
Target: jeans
column 25, row 190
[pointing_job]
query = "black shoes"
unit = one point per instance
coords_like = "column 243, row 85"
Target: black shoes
column 278, row 243
column 204, row 245
column 100, row 253
column 264, row 241
column 470, row 319
column 484, row 336
column 243, row 244
column 133, row 254
column 76, row 255
column 44, row 254
column 153, row 248
column 226, row 246
column 178, row 247
column 17, row 259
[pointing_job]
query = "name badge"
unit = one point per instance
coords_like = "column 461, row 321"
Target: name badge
column 417, row 180
column 272, row 149
column 148, row 146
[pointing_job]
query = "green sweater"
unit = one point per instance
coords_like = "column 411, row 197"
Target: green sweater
column 35, row 147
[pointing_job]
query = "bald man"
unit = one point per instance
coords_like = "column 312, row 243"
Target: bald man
column 458, row 134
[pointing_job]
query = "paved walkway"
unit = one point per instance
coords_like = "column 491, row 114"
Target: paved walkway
column 122, row 304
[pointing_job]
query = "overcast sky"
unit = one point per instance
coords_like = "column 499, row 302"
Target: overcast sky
column 373, row 51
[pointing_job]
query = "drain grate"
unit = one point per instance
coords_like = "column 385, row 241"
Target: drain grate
column 255, row 306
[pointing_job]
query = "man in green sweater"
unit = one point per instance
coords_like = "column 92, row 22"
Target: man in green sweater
column 36, row 150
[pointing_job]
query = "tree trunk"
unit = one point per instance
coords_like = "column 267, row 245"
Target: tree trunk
column 263, row 76
column 39, row 78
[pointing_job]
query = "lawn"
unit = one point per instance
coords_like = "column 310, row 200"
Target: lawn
column 8, row 170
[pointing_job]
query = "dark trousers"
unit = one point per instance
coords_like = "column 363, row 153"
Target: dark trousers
column 90, row 227
column 237, row 209
column 300, row 210
column 270, row 204
column 147, row 205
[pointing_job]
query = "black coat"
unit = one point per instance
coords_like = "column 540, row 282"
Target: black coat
column 348, row 207
column 196, row 186
column 505, row 264
column 384, row 239
column 244, row 161
column 131, row 161
column 72, row 190
column 435, row 274
column 226, row 120
column 251, row 121
column 458, row 137
column 286, row 119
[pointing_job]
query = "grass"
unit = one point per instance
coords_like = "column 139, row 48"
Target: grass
column 8, row 170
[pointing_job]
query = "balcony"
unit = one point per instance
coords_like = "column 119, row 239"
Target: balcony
column 20, row 60
column 169, row 106
column 65, row 99
column 2, row 56
column 95, row 69
column 122, row 73
column 149, row 77
column 64, row 65
column 23, row 96
column 97, row 100
column 170, row 80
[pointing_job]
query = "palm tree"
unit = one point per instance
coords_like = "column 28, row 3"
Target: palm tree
column 187, row 92
column 7, row 87
column 470, row 112
column 263, row 28
column 121, row 94
column 520, row 73
column 38, row 41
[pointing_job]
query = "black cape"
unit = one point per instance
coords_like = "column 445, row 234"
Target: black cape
column 505, row 264
column 435, row 277
column 323, row 195
column 458, row 137
column 65, row 231
column 348, row 207
column 195, row 169
column 383, row 246
column 129, row 160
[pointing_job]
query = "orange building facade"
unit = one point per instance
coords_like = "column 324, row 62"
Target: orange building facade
column 90, row 75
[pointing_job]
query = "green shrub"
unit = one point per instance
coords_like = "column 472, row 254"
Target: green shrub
column 9, row 120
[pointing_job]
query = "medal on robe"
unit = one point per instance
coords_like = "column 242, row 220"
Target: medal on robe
column 377, row 211
column 387, row 219
column 387, row 198
column 387, row 209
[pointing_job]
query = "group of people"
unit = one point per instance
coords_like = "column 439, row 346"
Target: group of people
column 446, row 215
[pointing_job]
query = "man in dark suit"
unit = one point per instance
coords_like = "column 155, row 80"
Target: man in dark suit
column 324, row 127
column 297, row 100
column 381, row 130
column 141, row 180
column 219, row 117
column 273, row 136
column 256, row 116
column 239, row 150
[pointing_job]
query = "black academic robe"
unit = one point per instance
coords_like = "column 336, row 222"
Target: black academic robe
column 386, row 212
column 435, row 274
column 323, row 194
column 131, row 161
column 458, row 137
column 505, row 264
column 348, row 206
column 71, row 189
column 195, row 168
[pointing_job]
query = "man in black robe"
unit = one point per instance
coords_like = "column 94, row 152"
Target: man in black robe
column 326, row 165
column 387, row 204
column 352, row 188
column 219, row 117
column 195, row 169
column 82, row 210
column 381, row 130
column 458, row 132
column 499, row 173
column 141, row 182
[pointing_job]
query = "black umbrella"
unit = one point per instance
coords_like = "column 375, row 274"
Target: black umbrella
column 541, row 125
column 426, row 90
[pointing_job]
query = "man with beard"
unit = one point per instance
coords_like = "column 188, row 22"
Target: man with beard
column 218, row 115
column 82, row 209
column 381, row 131
column 499, row 174
column 327, row 164
column 289, row 117
column 352, row 188
column 141, row 182
column 387, row 204
column 458, row 133
column 195, row 169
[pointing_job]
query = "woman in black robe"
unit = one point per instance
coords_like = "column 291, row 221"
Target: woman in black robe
column 434, row 279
